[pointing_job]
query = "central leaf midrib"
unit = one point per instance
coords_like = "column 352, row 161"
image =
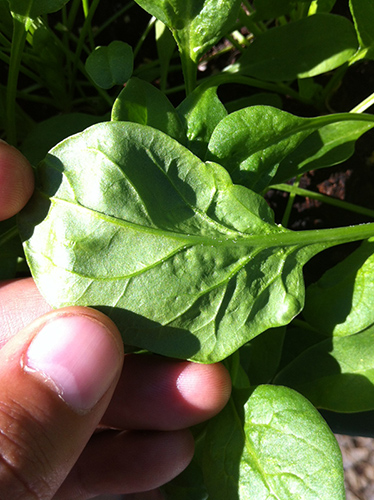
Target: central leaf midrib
column 281, row 238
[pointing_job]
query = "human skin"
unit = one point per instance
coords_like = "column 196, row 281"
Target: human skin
column 78, row 418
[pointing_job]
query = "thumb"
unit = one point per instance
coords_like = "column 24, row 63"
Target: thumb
column 57, row 377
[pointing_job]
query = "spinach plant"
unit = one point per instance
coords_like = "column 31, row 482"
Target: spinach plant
column 154, row 208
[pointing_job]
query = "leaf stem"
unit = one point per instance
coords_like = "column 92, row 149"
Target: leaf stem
column 9, row 235
column 364, row 105
column 189, row 68
column 145, row 33
column 296, row 190
column 290, row 202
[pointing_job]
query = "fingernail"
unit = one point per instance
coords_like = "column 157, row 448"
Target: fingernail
column 79, row 356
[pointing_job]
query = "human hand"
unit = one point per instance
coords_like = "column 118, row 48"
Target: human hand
column 77, row 417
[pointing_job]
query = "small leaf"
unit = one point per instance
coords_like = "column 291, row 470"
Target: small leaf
column 300, row 49
column 286, row 452
column 344, row 296
column 187, row 264
column 141, row 102
column 201, row 112
column 111, row 65
column 336, row 374
column 196, row 24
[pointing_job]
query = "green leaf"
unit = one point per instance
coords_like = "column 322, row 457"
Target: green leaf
column 50, row 64
column 200, row 112
column 197, row 25
column 141, row 102
column 322, row 5
column 251, row 143
column 330, row 145
column 344, row 296
column 268, row 9
column 166, row 47
column 111, row 65
column 363, row 17
column 286, row 452
column 261, row 356
column 262, row 98
column 187, row 264
column 336, row 374
column 34, row 8
column 188, row 485
column 48, row 133
column 300, row 49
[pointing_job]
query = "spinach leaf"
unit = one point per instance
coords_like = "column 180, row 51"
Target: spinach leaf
column 186, row 263
column 111, row 65
column 344, row 296
column 196, row 24
column 337, row 374
column 34, row 8
column 261, row 144
column 300, row 49
column 363, row 17
column 201, row 112
column 329, row 145
column 141, row 102
column 275, row 445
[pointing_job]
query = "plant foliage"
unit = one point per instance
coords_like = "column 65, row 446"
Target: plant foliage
column 153, row 206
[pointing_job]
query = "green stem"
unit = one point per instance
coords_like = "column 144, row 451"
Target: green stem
column 18, row 44
column 290, row 202
column 304, row 325
column 150, row 25
column 364, row 105
column 8, row 235
column 189, row 68
column 297, row 191
column 85, row 29
column 228, row 77
column 110, row 20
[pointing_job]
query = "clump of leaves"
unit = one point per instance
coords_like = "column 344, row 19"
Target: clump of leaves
column 157, row 216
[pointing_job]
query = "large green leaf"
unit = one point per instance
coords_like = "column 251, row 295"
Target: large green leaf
column 186, row 263
column 329, row 145
column 196, row 24
column 363, row 17
column 300, row 49
column 286, row 452
column 344, row 296
column 35, row 8
column 252, row 142
column 336, row 374
column 141, row 102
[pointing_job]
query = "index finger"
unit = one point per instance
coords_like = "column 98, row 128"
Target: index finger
column 16, row 181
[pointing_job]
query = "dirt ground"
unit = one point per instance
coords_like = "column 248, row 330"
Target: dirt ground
column 358, row 461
